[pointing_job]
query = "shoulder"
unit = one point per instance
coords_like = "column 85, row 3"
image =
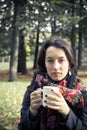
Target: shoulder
column 84, row 93
column 77, row 82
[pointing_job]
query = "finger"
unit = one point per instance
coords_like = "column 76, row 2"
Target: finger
column 36, row 101
column 52, row 107
column 55, row 105
column 39, row 89
column 35, row 97
column 36, row 92
column 54, row 97
column 57, row 93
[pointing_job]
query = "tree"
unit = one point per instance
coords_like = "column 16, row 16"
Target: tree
column 80, row 32
column 37, row 46
column 73, row 32
column 4, row 29
column 15, row 40
column 22, row 55
column 15, row 44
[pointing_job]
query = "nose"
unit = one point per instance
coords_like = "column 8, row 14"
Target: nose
column 56, row 65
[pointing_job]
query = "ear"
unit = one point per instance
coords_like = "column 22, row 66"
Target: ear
column 70, row 69
column 70, row 72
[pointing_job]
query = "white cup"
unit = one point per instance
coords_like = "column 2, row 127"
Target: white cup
column 47, row 90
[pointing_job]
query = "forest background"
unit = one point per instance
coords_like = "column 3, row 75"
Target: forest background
column 24, row 26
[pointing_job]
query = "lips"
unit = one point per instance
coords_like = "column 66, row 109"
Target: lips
column 56, row 73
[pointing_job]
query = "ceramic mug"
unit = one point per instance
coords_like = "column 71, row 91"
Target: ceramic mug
column 48, row 90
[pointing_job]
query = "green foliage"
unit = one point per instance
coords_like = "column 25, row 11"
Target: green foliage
column 11, row 95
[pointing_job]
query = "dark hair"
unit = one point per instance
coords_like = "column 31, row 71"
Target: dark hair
column 58, row 43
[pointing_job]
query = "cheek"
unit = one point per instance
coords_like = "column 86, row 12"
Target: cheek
column 48, row 66
column 66, row 68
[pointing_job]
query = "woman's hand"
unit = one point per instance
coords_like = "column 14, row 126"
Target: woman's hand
column 57, row 102
column 35, row 101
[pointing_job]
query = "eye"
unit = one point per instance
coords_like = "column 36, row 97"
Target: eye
column 61, row 60
column 50, row 60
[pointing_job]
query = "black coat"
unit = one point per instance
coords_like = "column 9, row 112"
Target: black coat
column 76, row 119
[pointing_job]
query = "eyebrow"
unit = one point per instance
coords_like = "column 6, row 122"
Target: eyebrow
column 58, row 57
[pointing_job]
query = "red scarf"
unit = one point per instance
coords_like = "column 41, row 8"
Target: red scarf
column 72, row 95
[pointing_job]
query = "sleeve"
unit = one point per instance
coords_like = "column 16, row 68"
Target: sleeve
column 76, row 121
column 27, row 120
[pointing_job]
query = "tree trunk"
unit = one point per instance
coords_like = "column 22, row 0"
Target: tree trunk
column 80, row 37
column 14, row 46
column 73, row 34
column 73, row 39
column 36, row 48
column 80, row 48
column 53, row 25
column 22, row 55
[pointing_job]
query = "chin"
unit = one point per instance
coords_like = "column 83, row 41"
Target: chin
column 57, row 79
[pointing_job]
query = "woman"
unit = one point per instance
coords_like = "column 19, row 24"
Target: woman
column 66, row 109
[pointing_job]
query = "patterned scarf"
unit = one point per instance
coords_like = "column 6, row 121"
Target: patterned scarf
column 72, row 95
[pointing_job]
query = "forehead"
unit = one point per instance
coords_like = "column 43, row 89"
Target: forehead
column 55, row 52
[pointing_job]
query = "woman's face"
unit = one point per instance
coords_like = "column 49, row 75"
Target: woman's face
column 56, row 62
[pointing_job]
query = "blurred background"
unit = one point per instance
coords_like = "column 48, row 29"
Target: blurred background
column 24, row 26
